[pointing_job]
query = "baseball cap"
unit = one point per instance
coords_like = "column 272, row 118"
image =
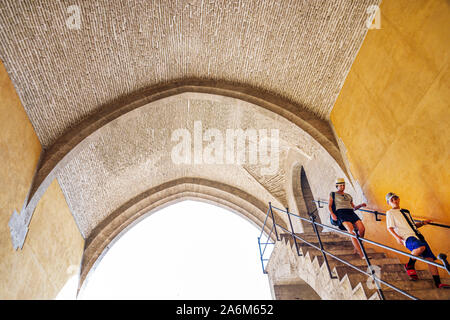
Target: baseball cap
column 389, row 196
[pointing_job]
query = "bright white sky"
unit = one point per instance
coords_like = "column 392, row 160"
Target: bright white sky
column 190, row 250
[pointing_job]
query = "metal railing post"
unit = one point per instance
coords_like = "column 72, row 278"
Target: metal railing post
column 313, row 218
column 292, row 232
column 261, row 254
column 274, row 222
column 369, row 265
column 267, row 242
column 376, row 216
column 443, row 258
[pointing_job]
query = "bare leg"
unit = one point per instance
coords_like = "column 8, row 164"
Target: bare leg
column 409, row 266
column 361, row 232
column 418, row 251
column 361, row 228
column 350, row 229
column 435, row 272
column 433, row 269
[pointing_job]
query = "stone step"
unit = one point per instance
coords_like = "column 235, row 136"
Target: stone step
column 337, row 252
column 352, row 256
column 369, row 287
column 342, row 270
column 344, row 250
column 331, row 244
column 324, row 237
column 341, row 250
column 397, row 279
column 407, row 285
column 344, row 254
column 358, row 262
column 424, row 294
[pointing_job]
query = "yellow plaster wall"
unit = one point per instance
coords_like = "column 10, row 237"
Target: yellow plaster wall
column 53, row 244
column 393, row 115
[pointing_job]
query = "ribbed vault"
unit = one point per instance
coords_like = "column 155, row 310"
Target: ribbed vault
column 106, row 99
column 134, row 153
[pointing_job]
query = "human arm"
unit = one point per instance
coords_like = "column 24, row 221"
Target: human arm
column 330, row 203
column 358, row 206
column 391, row 225
column 395, row 235
column 422, row 223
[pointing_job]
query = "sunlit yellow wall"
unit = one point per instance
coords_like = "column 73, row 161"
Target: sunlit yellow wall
column 393, row 115
column 53, row 243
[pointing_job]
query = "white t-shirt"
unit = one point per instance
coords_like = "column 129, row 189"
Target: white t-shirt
column 395, row 219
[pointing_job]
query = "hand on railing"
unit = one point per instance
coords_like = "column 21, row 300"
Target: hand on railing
column 360, row 206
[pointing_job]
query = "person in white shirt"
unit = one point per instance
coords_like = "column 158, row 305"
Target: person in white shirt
column 404, row 229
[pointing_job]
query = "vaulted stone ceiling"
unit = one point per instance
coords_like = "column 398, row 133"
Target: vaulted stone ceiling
column 296, row 51
column 299, row 49
column 135, row 153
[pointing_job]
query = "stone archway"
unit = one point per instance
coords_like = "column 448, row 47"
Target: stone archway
column 187, row 249
column 135, row 176
column 137, row 209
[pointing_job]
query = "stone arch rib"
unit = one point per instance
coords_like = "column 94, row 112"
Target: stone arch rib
column 133, row 211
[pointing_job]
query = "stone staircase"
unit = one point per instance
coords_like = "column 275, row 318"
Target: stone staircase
column 349, row 284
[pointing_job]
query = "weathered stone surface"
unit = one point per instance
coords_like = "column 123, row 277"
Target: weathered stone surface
column 134, row 153
column 301, row 50
column 53, row 244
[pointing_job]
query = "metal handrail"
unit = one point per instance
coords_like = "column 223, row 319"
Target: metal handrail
column 262, row 251
column 442, row 266
column 381, row 213
column 360, row 240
